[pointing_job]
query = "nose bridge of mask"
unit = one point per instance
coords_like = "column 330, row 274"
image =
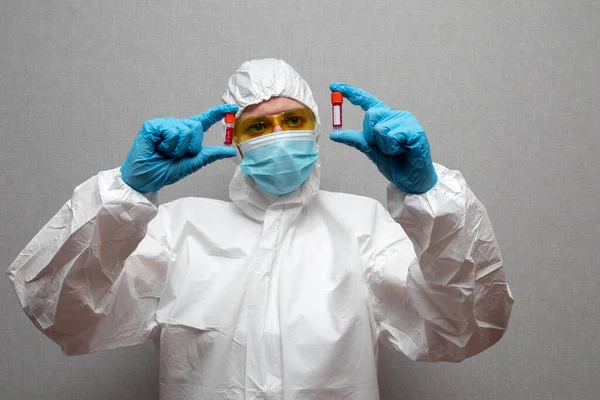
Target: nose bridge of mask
column 253, row 127
column 264, row 140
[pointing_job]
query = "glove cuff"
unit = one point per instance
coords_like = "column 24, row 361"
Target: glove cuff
column 425, row 182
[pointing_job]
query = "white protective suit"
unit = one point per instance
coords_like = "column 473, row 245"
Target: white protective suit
column 264, row 298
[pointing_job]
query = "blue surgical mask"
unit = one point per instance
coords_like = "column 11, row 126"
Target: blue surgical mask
column 280, row 162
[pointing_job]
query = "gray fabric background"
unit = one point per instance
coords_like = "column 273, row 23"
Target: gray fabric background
column 508, row 92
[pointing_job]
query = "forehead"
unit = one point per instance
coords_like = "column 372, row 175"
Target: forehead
column 274, row 105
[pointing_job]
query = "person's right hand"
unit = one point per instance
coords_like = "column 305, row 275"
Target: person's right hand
column 169, row 149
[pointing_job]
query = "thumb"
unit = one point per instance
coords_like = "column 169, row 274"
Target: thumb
column 211, row 116
column 350, row 138
column 210, row 154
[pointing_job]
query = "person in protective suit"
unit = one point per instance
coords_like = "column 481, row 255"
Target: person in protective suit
column 287, row 291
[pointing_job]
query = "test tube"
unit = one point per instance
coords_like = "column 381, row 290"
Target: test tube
column 229, row 123
column 336, row 110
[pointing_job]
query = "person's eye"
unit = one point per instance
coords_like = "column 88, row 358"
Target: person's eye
column 257, row 128
column 294, row 121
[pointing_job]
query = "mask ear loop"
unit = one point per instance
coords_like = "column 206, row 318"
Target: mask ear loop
column 237, row 160
column 239, row 154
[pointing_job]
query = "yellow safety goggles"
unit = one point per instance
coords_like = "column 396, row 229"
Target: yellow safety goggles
column 299, row 119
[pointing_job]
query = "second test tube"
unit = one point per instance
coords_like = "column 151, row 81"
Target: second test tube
column 336, row 110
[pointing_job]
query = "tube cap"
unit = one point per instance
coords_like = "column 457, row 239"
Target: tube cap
column 337, row 98
column 230, row 118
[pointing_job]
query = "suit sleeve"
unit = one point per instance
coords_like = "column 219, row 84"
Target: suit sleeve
column 91, row 279
column 446, row 298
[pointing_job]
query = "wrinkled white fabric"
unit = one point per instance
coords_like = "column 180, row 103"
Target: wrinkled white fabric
column 262, row 297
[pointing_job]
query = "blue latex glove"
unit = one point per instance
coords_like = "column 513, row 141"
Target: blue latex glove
column 169, row 149
column 393, row 140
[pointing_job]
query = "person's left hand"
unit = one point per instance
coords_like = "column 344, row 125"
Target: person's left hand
column 393, row 140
